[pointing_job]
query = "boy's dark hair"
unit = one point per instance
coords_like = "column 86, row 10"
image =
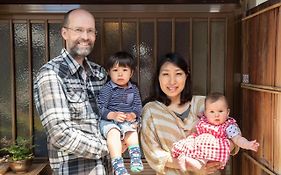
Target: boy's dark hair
column 157, row 93
column 215, row 96
column 121, row 58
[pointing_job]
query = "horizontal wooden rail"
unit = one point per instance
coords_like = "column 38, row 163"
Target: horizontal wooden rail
column 262, row 11
column 261, row 88
column 264, row 168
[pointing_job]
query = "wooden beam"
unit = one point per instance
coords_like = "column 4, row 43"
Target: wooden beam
column 121, row 2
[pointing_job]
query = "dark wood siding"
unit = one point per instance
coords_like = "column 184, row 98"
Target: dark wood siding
column 261, row 90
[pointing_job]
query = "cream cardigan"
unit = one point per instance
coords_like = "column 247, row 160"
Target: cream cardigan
column 161, row 128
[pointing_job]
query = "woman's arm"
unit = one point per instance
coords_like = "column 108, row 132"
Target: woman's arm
column 155, row 154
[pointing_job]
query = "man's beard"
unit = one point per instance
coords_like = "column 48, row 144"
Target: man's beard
column 81, row 52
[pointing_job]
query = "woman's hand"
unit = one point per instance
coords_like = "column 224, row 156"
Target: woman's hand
column 212, row 167
column 209, row 168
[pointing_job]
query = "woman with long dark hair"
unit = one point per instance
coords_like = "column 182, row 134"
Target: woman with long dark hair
column 171, row 115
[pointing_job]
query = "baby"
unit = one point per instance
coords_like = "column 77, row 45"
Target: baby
column 211, row 142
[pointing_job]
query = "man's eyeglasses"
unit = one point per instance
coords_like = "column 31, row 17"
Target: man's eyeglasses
column 80, row 30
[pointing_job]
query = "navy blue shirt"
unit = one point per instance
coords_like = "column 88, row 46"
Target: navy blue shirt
column 113, row 98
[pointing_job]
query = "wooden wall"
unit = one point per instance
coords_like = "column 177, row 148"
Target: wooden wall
column 261, row 90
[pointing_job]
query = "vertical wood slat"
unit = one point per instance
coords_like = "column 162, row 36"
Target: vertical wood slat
column 138, row 48
column 155, row 42
column 245, row 46
column 227, row 66
column 30, row 76
column 190, row 43
column 188, row 54
column 278, row 49
column 173, row 35
column 253, row 49
column 120, row 34
column 209, row 55
column 267, row 38
column 277, row 83
column 47, row 43
column 102, row 41
column 276, row 135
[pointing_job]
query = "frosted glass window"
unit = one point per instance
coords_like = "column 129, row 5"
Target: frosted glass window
column 22, row 79
column 5, row 78
column 55, row 40
column 164, row 37
column 146, row 57
column 217, row 56
column 200, row 56
column 39, row 58
column 96, row 55
column 129, row 42
column 38, row 46
column 111, row 38
column 182, row 39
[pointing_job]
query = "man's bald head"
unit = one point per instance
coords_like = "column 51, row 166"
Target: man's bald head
column 77, row 11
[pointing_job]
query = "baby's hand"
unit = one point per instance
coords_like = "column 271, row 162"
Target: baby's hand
column 131, row 117
column 117, row 116
column 254, row 145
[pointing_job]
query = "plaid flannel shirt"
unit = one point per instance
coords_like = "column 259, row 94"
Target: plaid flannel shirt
column 65, row 97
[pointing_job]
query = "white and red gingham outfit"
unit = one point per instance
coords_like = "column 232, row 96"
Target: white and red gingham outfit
column 210, row 143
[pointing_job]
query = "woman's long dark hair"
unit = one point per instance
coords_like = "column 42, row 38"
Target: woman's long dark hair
column 156, row 91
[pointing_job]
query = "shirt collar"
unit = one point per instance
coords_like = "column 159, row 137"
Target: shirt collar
column 71, row 62
column 114, row 85
column 74, row 66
